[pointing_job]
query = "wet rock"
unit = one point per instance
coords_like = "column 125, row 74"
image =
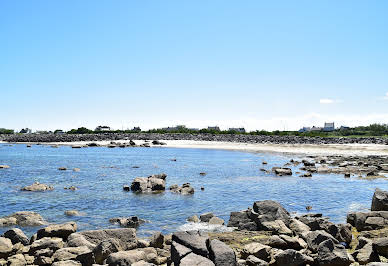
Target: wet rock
column 105, row 248
column 37, row 187
column 23, row 218
column 16, row 236
column 58, row 230
column 205, row 217
column 149, row 184
column 131, row 221
column 380, row 200
column 126, row 188
column 72, row 213
column 221, row 254
column 306, row 175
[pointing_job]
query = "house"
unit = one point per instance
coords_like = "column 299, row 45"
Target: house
column 102, row 128
column 328, row 127
column 238, row 130
column 26, row 131
column 315, row 129
column 216, row 128
column 304, row 129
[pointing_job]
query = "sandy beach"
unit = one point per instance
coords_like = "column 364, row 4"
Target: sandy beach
column 323, row 149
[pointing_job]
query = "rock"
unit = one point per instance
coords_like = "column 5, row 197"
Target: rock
column 72, row 213
column 149, row 184
column 17, row 260
column 37, row 187
column 366, row 254
column 269, row 210
column 58, row 230
column 105, row 248
column 62, row 168
column 329, row 254
column 282, row 171
column 69, row 253
column 125, row 257
column 276, row 226
column 185, row 189
column 256, row 249
column 76, row 169
column 381, row 245
column 17, row 236
column 78, row 240
column 221, row 254
column 5, row 247
column 3, row 166
column 205, row 217
column 368, row 220
column 142, row 243
column 193, row 241
column 24, row 218
column 193, row 219
column 315, row 238
column 125, row 236
column 286, row 242
column 131, row 221
column 178, row 251
column 298, row 227
column 242, row 221
column 216, row 220
column 380, row 200
column 193, row 259
column 292, row 257
column 126, row 188
column 46, row 243
column 67, row 263
column 253, row 261
column 157, row 240
column 308, row 174
column 202, row 173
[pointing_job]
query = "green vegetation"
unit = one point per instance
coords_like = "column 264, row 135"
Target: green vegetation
column 6, row 131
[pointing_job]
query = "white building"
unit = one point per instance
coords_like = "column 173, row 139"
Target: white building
column 329, row 127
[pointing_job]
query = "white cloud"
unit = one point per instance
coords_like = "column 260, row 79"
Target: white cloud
column 386, row 96
column 329, row 101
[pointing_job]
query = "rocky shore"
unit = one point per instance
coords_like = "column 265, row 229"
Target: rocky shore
column 37, row 138
column 264, row 234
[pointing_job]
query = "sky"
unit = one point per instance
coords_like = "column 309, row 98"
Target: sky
column 254, row 64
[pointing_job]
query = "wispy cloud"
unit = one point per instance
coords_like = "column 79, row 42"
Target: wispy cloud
column 329, row 101
column 385, row 96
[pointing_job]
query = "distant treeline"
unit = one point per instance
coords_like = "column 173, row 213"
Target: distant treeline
column 371, row 130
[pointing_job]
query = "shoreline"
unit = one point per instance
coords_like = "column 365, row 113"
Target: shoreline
column 301, row 149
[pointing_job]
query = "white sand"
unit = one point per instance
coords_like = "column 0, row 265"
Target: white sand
column 326, row 149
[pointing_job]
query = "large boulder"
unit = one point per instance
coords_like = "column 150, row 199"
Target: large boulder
column 258, row 250
column 269, row 210
column 49, row 243
column 379, row 200
column 23, row 218
column 17, row 236
column 315, row 238
column 292, row 257
column 131, row 221
column 125, row 236
column 368, row 220
column 153, row 183
column 242, row 221
column 58, row 230
column 36, row 187
column 330, row 254
column 69, row 253
column 185, row 189
column 193, row 241
column 105, row 248
column 221, row 254
column 125, row 257
column 194, row 259
column 178, row 251
column 365, row 251
column 5, row 247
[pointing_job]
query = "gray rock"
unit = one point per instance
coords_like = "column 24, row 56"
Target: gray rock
column 67, row 263
column 256, row 249
column 17, row 236
column 72, row 213
column 58, row 230
column 5, row 247
column 125, row 257
column 366, row 254
column 221, row 254
column 131, row 221
column 276, row 226
column 315, row 238
column 254, row 261
column 157, row 240
column 269, row 210
column 282, row 171
column 330, row 254
column 195, row 260
column 36, row 187
column 178, row 251
column 46, row 243
column 380, row 200
column 69, row 253
column 298, row 227
column 23, row 218
column 193, row 219
column 105, row 248
column 381, row 245
column 292, row 257
column 216, row 220
column 193, row 241
column 149, row 184
column 205, row 217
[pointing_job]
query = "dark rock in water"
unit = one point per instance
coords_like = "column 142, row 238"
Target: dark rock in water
column 4, row 166
column 282, row 171
column 126, row 188
column 131, row 221
column 149, row 184
column 72, row 213
column 17, row 236
column 157, row 142
column 205, row 217
column 185, row 189
column 37, row 187
column 58, row 230
column 380, row 200
column 202, row 173
column 62, row 168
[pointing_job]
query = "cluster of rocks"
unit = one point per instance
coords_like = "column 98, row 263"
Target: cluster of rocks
column 153, row 183
column 131, row 221
column 37, row 187
column 207, row 217
column 41, row 138
column 185, row 189
column 23, row 218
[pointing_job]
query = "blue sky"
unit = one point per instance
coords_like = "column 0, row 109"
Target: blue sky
column 257, row 64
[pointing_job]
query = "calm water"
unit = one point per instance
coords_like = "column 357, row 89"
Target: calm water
column 233, row 182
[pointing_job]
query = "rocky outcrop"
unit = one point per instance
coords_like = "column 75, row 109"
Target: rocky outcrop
column 24, row 218
column 185, row 189
column 58, row 230
column 36, row 187
column 153, row 183
column 380, row 200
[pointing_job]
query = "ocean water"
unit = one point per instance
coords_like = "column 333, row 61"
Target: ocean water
column 233, row 182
